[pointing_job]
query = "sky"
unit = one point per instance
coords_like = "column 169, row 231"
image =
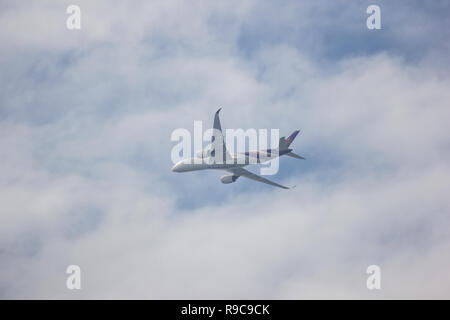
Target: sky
column 85, row 123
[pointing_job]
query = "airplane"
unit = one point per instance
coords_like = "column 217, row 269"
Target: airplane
column 234, row 163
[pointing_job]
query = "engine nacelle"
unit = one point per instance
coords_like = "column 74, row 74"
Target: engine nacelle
column 229, row 178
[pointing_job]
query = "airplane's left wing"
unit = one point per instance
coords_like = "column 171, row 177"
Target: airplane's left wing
column 245, row 173
column 217, row 141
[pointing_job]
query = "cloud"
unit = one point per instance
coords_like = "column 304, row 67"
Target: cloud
column 85, row 146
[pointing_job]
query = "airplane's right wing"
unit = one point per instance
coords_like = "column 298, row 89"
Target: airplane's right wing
column 245, row 173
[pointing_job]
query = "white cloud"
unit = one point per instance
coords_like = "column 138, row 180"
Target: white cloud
column 85, row 179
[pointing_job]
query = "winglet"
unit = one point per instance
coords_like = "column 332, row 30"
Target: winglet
column 217, row 112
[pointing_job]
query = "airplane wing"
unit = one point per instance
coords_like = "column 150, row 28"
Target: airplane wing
column 217, row 139
column 217, row 125
column 245, row 173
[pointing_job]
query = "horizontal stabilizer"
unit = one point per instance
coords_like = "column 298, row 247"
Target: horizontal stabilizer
column 293, row 155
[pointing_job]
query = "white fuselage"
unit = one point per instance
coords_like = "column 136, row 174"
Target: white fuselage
column 237, row 161
column 194, row 164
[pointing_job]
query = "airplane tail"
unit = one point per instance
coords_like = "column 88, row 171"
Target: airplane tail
column 286, row 142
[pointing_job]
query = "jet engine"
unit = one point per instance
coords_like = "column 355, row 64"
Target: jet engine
column 229, row 178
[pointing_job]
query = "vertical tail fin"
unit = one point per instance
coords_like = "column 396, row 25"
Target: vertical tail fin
column 286, row 142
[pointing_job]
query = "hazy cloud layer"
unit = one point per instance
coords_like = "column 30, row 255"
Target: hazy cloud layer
column 85, row 124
